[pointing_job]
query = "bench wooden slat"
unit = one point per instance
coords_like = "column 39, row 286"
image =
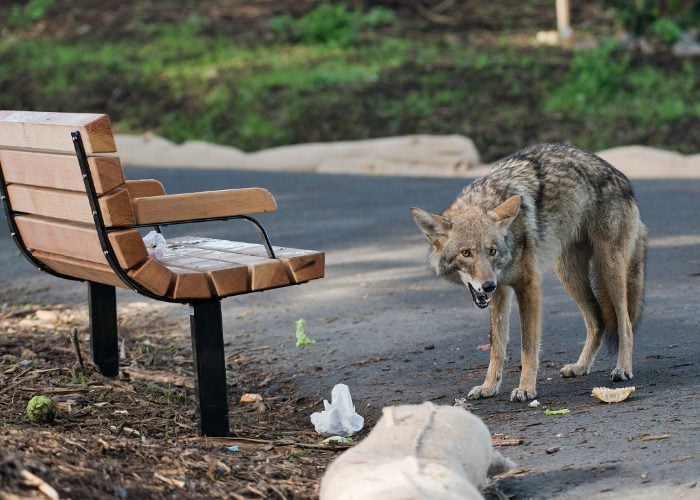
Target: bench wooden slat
column 202, row 205
column 71, row 205
column 63, row 238
column 116, row 209
column 142, row 188
column 189, row 284
column 67, row 205
column 269, row 274
column 226, row 277
column 79, row 240
column 52, row 131
column 129, row 247
column 153, row 276
column 60, row 171
column 301, row 265
column 263, row 272
column 90, row 271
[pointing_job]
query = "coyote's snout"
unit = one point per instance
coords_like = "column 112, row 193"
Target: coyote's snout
column 545, row 200
column 482, row 296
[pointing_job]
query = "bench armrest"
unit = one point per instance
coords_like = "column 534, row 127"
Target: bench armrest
column 202, row 205
column 144, row 187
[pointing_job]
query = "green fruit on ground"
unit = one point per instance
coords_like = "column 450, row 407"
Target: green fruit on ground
column 41, row 410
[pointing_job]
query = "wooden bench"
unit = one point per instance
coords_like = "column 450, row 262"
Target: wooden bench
column 72, row 214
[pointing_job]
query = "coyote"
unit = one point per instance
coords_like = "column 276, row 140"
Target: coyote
column 545, row 201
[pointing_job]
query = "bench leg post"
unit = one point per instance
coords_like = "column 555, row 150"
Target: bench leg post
column 210, row 368
column 103, row 328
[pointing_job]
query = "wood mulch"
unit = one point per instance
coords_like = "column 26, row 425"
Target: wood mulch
column 136, row 436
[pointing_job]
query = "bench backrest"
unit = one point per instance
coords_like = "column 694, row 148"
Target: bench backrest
column 47, row 194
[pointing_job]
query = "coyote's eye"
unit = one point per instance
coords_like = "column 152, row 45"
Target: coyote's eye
column 492, row 252
column 466, row 253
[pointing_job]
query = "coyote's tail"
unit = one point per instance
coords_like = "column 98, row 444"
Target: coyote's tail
column 635, row 291
column 635, row 278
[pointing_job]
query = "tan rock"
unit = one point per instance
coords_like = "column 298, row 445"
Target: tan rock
column 405, row 155
column 416, row 451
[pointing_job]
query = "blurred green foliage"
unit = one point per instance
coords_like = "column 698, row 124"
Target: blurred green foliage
column 333, row 23
column 666, row 30
column 352, row 74
column 21, row 16
column 664, row 18
column 606, row 85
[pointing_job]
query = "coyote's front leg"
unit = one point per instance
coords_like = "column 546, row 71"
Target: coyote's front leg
column 529, row 298
column 498, row 335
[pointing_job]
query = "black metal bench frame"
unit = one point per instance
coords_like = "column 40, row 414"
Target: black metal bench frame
column 206, row 326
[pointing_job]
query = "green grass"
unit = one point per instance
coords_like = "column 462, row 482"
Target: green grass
column 21, row 16
column 351, row 74
column 606, row 86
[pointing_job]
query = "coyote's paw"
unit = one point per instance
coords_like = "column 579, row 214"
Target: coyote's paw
column 483, row 391
column 620, row 375
column 573, row 370
column 522, row 395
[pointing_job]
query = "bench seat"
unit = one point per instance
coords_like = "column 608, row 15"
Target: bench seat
column 196, row 268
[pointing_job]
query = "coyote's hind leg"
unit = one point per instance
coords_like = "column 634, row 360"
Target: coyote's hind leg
column 612, row 271
column 573, row 267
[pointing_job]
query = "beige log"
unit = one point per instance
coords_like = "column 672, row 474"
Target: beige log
column 52, row 131
column 71, row 205
column 90, row 271
column 417, row 451
column 60, row 171
column 144, row 187
column 79, row 240
column 206, row 204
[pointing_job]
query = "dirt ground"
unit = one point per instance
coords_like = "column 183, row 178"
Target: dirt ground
column 136, row 437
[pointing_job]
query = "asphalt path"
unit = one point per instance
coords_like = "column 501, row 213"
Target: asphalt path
column 395, row 334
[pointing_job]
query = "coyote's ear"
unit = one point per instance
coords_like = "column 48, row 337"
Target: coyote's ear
column 434, row 227
column 504, row 213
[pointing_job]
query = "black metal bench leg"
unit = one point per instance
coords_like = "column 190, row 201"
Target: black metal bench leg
column 210, row 368
column 103, row 328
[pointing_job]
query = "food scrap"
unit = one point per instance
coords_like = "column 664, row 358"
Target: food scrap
column 607, row 395
column 563, row 411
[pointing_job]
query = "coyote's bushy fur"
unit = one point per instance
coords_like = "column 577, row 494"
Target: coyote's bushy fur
column 545, row 201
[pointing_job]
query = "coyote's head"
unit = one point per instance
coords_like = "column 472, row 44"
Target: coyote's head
column 469, row 245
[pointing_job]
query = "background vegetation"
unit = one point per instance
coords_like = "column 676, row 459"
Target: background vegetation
column 256, row 74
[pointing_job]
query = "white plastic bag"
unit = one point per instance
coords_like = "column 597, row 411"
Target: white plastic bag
column 339, row 417
column 155, row 244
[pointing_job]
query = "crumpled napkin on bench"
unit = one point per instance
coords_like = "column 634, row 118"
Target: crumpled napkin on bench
column 155, row 244
column 339, row 417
